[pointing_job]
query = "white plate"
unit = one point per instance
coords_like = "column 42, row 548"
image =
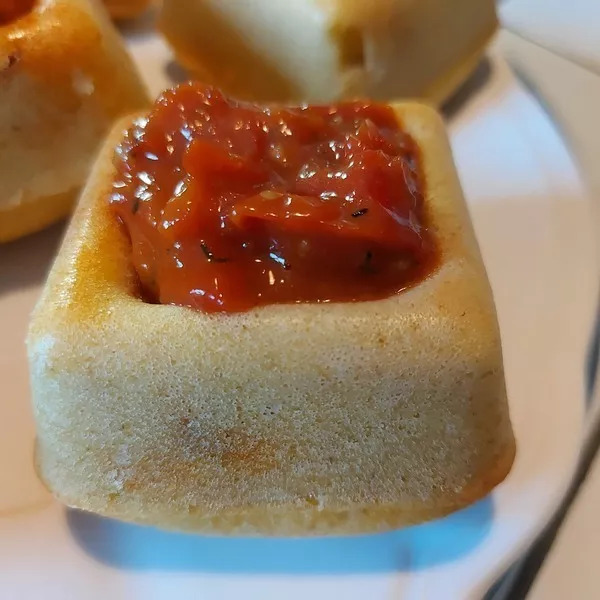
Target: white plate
column 531, row 217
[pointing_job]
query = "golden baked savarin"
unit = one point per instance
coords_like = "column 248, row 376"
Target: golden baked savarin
column 302, row 415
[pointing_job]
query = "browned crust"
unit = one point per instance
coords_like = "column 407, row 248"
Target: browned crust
column 293, row 521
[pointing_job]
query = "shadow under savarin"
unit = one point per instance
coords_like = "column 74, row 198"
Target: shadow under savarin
column 25, row 262
column 452, row 106
column 176, row 73
column 473, row 84
column 143, row 25
column 134, row 547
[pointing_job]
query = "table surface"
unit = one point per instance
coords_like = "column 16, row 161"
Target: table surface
column 567, row 559
column 571, row 567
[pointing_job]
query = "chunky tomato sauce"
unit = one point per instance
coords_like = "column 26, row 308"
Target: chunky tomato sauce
column 231, row 206
column 11, row 10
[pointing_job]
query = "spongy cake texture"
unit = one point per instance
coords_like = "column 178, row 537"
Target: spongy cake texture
column 287, row 419
column 65, row 76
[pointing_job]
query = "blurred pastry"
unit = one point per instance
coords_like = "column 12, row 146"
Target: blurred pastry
column 275, row 50
column 65, row 75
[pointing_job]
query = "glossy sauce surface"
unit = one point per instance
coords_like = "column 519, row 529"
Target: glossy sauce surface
column 231, row 206
column 11, row 10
